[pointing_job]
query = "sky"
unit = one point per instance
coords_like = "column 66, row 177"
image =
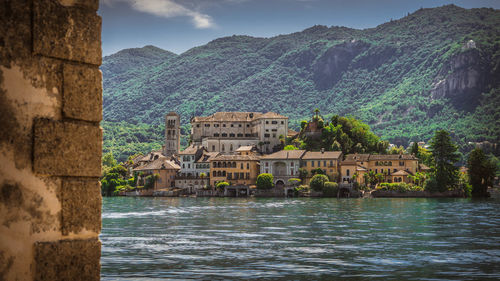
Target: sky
column 178, row 25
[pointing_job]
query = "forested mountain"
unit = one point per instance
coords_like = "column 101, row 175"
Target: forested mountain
column 434, row 69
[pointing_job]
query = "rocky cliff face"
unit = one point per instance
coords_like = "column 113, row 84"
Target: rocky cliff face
column 462, row 79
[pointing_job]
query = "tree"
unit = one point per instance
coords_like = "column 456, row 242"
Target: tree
column 265, row 181
column 481, row 172
column 294, row 181
column 303, row 124
column 414, row 149
column 290, row 147
column 318, row 182
column 330, row 188
column 444, row 154
column 108, row 160
column 317, row 171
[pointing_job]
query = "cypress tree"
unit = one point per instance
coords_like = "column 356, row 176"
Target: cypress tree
column 445, row 155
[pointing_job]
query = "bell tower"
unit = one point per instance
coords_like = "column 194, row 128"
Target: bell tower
column 172, row 134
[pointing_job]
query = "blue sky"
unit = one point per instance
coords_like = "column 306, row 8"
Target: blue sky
column 178, row 25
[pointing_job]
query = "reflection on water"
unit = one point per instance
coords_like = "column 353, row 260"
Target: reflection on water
column 300, row 239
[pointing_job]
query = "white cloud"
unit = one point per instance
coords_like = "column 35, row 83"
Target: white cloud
column 168, row 9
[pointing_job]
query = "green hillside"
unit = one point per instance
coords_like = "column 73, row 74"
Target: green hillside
column 405, row 78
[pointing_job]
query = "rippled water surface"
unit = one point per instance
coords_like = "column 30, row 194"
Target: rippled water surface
column 300, row 239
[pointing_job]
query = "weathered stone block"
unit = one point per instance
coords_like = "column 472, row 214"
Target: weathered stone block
column 66, row 32
column 82, row 92
column 88, row 4
column 81, row 206
column 66, row 149
column 68, row 260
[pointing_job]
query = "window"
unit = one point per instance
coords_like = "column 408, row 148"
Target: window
column 267, row 164
column 247, row 176
column 213, row 147
column 395, row 170
column 267, row 130
column 240, row 135
column 291, row 171
column 266, row 135
column 224, row 125
column 229, row 176
column 274, row 135
column 223, row 147
column 324, row 163
column 189, row 166
column 236, row 176
column 224, row 135
column 247, row 135
column 331, row 163
column 274, row 130
column 319, row 163
column 401, row 163
column 231, row 135
column 216, row 125
column 223, row 173
column 291, row 164
column 248, row 166
column 282, row 122
column 267, row 122
column 216, row 135
column 242, row 175
column 234, row 165
column 231, row 147
column 312, row 163
column 241, row 166
column 347, row 172
column 207, row 125
column 183, row 166
column 248, row 125
column 376, row 171
column 239, row 125
column 197, row 125
column 274, row 122
column 232, row 125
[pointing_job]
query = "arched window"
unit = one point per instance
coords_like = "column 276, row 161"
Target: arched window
column 223, row 164
column 215, row 173
column 234, row 164
column 223, row 148
column 231, row 147
column 347, row 172
column 223, row 173
column 219, row 173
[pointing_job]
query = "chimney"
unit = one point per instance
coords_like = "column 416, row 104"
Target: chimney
column 322, row 150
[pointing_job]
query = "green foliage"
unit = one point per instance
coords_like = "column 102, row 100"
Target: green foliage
column 383, row 76
column 265, row 181
column 149, row 181
column 294, row 181
column 330, row 189
column 220, row 185
column 303, row 173
column 481, row 172
column 318, row 182
column 108, row 160
column 113, row 179
column 290, row 147
column 399, row 187
column 444, row 154
column 317, row 171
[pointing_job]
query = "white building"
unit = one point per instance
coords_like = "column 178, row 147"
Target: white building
column 283, row 165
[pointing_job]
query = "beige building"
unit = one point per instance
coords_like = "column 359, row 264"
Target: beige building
column 225, row 132
column 328, row 161
column 394, row 167
column 237, row 169
column 165, row 169
column 283, row 165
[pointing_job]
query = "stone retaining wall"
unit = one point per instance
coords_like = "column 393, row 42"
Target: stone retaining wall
column 419, row 194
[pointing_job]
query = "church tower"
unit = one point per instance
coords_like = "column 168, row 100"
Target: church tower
column 172, row 134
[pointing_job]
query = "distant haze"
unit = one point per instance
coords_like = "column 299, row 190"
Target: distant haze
column 178, row 25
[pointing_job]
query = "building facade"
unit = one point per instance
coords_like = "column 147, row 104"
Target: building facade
column 328, row 161
column 225, row 132
column 172, row 134
column 283, row 165
column 163, row 169
column 235, row 169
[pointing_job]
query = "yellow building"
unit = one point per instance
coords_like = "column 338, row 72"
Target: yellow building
column 394, row 167
column 328, row 161
column 239, row 169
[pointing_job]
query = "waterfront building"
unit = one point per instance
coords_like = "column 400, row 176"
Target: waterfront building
column 283, row 165
column 160, row 167
column 394, row 167
column 328, row 161
column 236, row 169
column 225, row 132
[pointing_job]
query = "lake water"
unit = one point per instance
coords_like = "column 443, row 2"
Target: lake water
column 300, row 239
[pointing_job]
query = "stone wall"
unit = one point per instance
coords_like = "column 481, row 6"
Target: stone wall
column 50, row 139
